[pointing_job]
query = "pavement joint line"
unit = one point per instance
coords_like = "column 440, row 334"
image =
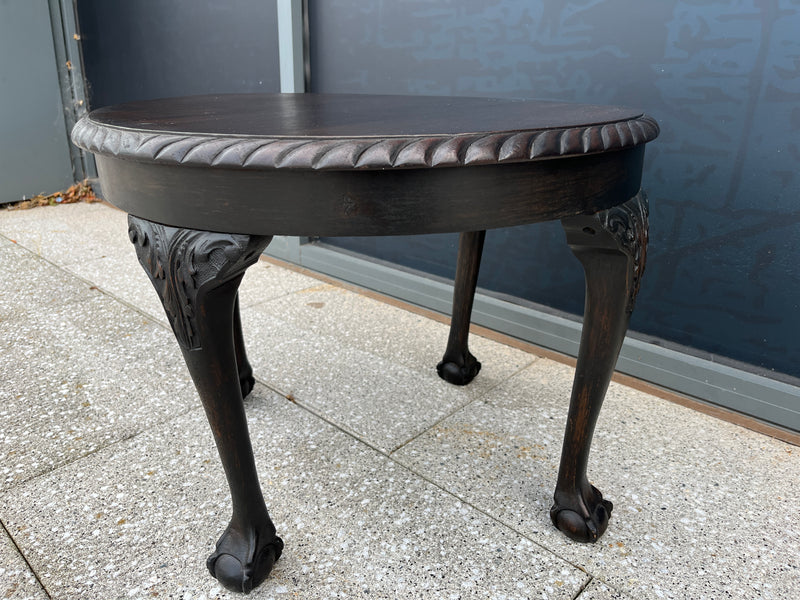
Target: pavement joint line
column 319, row 415
column 492, row 517
column 24, row 558
column 438, row 421
column 481, row 396
column 582, row 589
column 92, row 452
column 38, row 253
column 151, row 318
column 92, row 285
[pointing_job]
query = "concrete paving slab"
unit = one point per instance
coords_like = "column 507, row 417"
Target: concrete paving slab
column 380, row 402
column 92, row 240
column 702, row 507
column 137, row 520
column 265, row 281
column 17, row 581
column 113, row 269
column 29, row 284
column 396, row 335
column 67, row 234
column 79, row 376
column 365, row 365
column 120, row 274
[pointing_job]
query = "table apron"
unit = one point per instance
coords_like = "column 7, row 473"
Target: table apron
column 371, row 202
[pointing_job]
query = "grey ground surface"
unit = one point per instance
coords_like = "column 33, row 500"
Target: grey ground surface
column 384, row 481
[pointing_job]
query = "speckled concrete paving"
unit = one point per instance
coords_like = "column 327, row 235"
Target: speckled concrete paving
column 384, row 481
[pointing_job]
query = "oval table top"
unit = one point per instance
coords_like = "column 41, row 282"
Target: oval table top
column 382, row 165
column 345, row 131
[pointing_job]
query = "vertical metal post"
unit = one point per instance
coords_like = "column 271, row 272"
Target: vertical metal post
column 66, row 38
column 294, row 71
column 291, row 45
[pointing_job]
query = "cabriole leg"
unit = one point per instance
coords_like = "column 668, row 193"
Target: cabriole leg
column 612, row 246
column 196, row 275
column 458, row 366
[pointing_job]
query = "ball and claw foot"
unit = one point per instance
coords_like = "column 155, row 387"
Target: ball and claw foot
column 459, row 370
column 582, row 521
column 243, row 560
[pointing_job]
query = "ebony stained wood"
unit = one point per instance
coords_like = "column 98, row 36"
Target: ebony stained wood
column 398, row 202
column 458, row 366
column 351, row 115
column 208, row 180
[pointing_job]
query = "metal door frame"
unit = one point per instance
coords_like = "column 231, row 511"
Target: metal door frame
column 69, row 62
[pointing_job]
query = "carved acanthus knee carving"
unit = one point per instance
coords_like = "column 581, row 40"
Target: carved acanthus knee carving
column 623, row 228
column 184, row 263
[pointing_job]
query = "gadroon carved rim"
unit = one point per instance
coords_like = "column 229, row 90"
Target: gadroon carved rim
column 263, row 153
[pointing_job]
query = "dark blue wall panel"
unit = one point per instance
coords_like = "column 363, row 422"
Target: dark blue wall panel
column 141, row 49
column 721, row 77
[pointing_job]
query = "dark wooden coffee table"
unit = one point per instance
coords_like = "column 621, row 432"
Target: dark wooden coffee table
column 207, row 181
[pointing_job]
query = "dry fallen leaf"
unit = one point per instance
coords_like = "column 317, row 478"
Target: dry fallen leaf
column 80, row 192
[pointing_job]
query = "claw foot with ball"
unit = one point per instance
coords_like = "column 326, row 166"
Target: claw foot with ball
column 582, row 517
column 458, row 369
column 243, row 559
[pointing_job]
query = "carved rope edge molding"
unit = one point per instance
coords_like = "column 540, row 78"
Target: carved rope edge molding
column 243, row 152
